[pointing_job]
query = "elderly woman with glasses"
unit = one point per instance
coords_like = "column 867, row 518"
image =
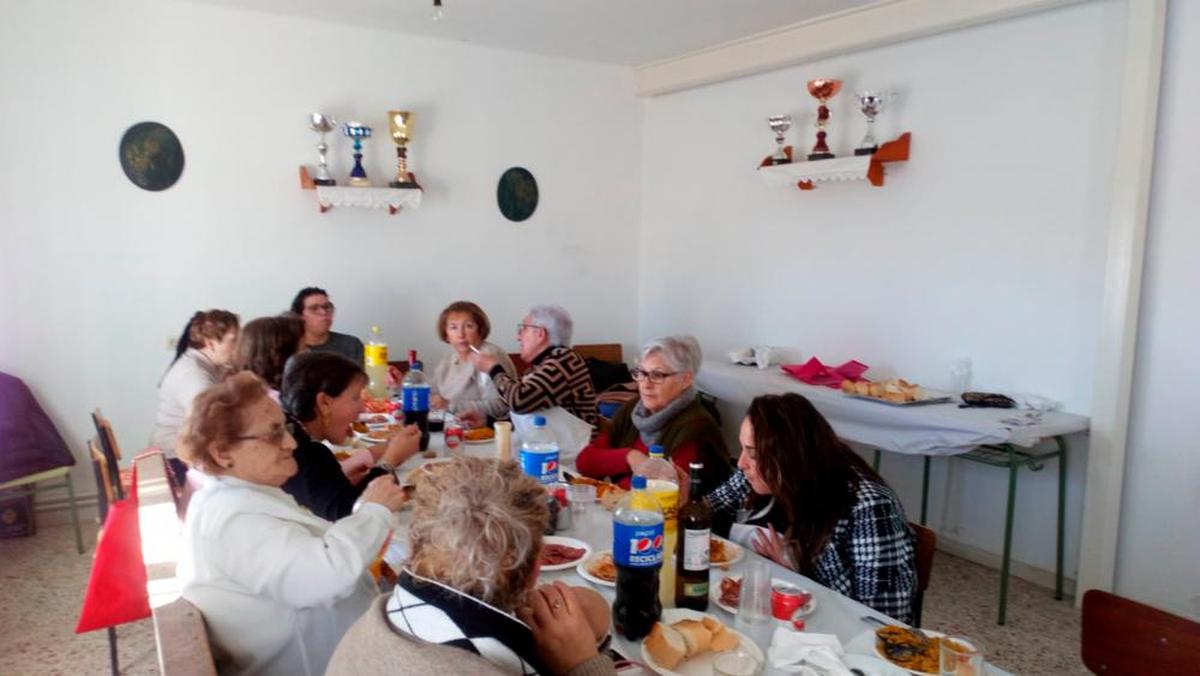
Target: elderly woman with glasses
column 467, row 600
column 667, row 413
column 277, row 585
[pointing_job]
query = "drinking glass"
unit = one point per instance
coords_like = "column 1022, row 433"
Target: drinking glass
column 754, row 602
column 961, row 657
column 735, row 663
column 581, row 496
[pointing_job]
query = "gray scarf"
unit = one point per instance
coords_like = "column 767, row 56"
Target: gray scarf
column 650, row 424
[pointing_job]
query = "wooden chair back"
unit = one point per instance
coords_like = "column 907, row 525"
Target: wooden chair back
column 110, row 449
column 610, row 352
column 105, row 485
column 926, row 544
column 1121, row 636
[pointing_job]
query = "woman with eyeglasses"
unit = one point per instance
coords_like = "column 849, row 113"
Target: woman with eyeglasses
column 277, row 585
column 667, row 412
column 322, row 395
column 312, row 304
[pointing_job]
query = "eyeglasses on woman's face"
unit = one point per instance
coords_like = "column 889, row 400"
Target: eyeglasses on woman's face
column 275, row 436
column 522, row 326
column 320, row 308
column 656, row 377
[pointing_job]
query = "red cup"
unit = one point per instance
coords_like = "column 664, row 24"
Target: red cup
column 786, row 599
column 453, row 434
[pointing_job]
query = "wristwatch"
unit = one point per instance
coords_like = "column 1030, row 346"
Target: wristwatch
column 386, row 466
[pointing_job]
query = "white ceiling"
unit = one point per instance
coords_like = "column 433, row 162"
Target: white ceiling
column 629, row 32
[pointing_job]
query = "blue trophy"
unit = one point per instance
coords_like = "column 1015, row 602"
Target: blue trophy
column 358, row 132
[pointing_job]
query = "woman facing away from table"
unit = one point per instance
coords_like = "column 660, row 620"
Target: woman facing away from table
column 203, row 355
column 467, row 602
column 313, row 306
column 265, row 346
column 820, row 508
column 456, row 386
column 322, row 396
column 667, row 412
column 277, row 586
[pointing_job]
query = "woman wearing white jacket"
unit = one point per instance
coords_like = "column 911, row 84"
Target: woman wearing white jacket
column 277, row 586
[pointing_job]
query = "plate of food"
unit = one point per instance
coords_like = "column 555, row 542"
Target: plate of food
column 896, row 392
column 723, row 553
column 377, row 434
column 608, row 494
column 726, row 594
column 687, row 643
column 599, row 568
column 907, row 649
column 561, row 553
column 479, row 435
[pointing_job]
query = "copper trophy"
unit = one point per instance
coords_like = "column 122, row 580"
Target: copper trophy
column 822, row 91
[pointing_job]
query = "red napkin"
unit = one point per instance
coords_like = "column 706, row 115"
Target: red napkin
column 814, row 372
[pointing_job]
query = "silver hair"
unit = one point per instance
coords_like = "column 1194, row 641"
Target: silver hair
column 682, row 353
column 556, row 320
column 477, row 527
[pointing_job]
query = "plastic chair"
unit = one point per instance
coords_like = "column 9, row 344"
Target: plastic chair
column 1121, row 636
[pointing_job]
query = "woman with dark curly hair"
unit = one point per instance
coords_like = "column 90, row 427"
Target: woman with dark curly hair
column 265, row 346
column 820, row 509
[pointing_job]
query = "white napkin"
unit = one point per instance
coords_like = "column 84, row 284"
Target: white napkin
column 571, row 433
column 762, row 356
column 742, row 355
column 799, row 652
column 1034, row 402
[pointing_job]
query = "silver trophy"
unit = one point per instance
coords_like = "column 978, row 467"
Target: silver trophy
column 871, row 103
column 780, row 124
column 322, row 124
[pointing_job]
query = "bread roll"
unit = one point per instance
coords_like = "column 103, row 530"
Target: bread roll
column 666, row 646
column 863, row 388
column 723, row 640
column 848, row 386
column 695, row 635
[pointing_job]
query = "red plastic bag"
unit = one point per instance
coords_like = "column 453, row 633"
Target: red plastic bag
column 116, row 591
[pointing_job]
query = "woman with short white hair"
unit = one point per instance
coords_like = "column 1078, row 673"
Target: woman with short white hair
column 667, row 412
column 466, row 600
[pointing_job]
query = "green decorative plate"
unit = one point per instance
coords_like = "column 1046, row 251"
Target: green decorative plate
column 151, row 156
column 517, row 194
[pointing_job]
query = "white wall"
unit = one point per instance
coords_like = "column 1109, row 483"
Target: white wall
column 989, row 243
column 96, row 272
column 1158, row 557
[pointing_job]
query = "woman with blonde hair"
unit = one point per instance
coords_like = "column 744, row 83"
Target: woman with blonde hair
column 467, row 600
column 456, row 387
column 277, row 585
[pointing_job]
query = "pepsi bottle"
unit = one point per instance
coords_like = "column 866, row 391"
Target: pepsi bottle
column 414, row 392
column 638, row 555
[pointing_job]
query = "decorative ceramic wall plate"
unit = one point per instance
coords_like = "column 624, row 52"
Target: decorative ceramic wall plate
column 517, row 194
column 151, row 156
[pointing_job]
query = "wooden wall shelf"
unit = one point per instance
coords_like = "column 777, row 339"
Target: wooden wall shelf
column 805, row 175
column 392, row 199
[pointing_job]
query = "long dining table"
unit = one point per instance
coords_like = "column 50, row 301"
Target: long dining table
column 835, row 613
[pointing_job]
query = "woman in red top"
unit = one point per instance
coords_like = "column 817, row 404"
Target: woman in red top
column 667, row 412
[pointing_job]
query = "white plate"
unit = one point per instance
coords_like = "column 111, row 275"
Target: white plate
column 478, row 442
column 714, row 594
column 581, row 568
column 702, row 664
column 931, row 633
column 372, row 418
column 569, row 542
column 872, row 666
column 733, row 549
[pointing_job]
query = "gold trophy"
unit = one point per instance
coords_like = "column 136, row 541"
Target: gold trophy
column 399, row 121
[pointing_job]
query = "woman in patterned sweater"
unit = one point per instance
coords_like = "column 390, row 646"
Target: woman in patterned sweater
column 557, row 375
column 821, row 509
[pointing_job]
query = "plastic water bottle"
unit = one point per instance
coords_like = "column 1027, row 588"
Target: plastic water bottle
column 539, row 453
column 638, row 555
column 414, row 393
column 663, row 483
column 375, row 359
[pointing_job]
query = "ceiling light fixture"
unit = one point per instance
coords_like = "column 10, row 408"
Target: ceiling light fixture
column 436, row 13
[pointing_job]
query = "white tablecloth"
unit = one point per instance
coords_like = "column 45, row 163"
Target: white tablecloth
column 930, row 429
column 836, row 614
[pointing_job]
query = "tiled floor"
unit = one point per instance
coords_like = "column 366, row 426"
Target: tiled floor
column 43, row 582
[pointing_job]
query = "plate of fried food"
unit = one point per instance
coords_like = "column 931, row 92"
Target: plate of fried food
column 479, row 435
column 897, row 392
column 599, row 568
column 375, row 434
column 688, row 643
column 910, row 650
column 561, row 553
column 723, row 553
column 608, row 494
